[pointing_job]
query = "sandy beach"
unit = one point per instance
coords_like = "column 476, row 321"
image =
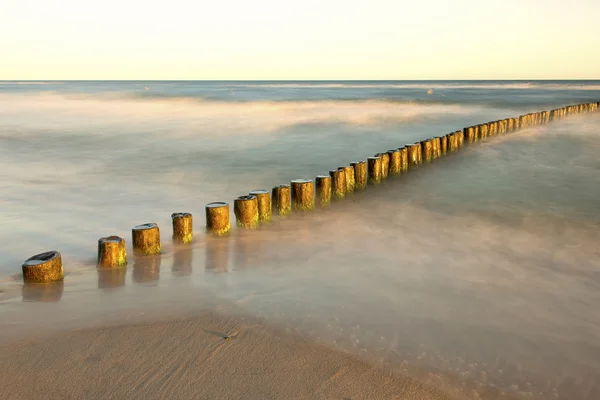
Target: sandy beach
column 205, row 357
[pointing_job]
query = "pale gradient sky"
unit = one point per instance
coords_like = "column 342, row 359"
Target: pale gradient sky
column 309, row 39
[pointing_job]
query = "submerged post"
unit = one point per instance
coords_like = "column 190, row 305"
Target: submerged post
column 217, row 219
column 403, row 158
column 245, row 209
column 282, row 196
column 385, row 164
column 42, row 268
column 323, row 188
column 374, row 169
column 427, row 150
column 350, row 180
column 111, row 252
column 182, row 228
column 263, row 197
column 360, row 174
column 146, row 239
column 303, row 195
column 414, row 158
column 395, row 161
column 338, row 183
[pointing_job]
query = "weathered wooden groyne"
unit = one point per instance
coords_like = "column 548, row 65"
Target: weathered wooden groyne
column 301, row 195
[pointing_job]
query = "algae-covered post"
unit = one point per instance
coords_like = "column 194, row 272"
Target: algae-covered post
column 42, row 268
column 403, row 158
column 395, row 161
column 263, row 197
column 350, row 180
column 182, row 228
column 281, row 199
column 374, row 169
column 146, row 239
column 303, row 195
column 111, row 252
column 217, row 219
column 427, row 150
column 414, row 154
column 245, row 209
column 338, row 183
column 323, row 188
column 437, row 147
column 385, row 164
column 443, row 145
column 360, row 174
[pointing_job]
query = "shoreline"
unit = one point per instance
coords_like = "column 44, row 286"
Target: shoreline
column 210, row 355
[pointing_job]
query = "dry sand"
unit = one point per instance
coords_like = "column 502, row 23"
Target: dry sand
column 191, row 359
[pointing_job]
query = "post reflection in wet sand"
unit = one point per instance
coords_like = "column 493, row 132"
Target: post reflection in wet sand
column 182, row 261
column 146, row 269
column 111, row 278
column 217, row 254
column 43, row 292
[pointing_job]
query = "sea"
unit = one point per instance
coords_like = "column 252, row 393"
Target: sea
column 478, row 273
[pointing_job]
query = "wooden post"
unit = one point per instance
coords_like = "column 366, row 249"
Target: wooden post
column 282, row 200
column 360, row 174
column 263, row 197
column 395, row 161
column 427, row 150
column 217, row 219
column 350, row 180
column 374, row 170
column 183, row 232
column 146, row 239
column 245, row 209
column 111, row 252
column 338, row 183
column 437, row 147
column 303, row 195
column 414, row 153
column 42, row 268
column 444, row 144
column 404, row 156
column 323, row 184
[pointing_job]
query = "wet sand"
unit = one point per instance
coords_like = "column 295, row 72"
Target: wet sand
column 204, row 357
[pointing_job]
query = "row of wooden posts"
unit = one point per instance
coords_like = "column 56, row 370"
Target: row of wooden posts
column 301, row 195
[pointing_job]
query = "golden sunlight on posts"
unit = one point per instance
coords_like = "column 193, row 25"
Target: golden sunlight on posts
column 395, row 161
column 111, row 252
column 217, row 219
column 303, row 195
column 360, row 174
column 146, row 239
column 385, row 164
column 414, row 154
column 338, row 183
column 427, row 150
column 281, row 199
column 350, row 181
column 263, row 197
column 374, row 169
column 404, row 158
column 246, row 211
column 42, row 268
column 182, row 228
column 323, row 188
column 443, row 145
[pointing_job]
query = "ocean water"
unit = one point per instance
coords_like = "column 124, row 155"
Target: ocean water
column 479, row 273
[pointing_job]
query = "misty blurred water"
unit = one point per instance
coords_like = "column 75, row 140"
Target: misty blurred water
column 482, row 267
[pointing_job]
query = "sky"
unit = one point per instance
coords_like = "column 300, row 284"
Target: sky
column 308, row 39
